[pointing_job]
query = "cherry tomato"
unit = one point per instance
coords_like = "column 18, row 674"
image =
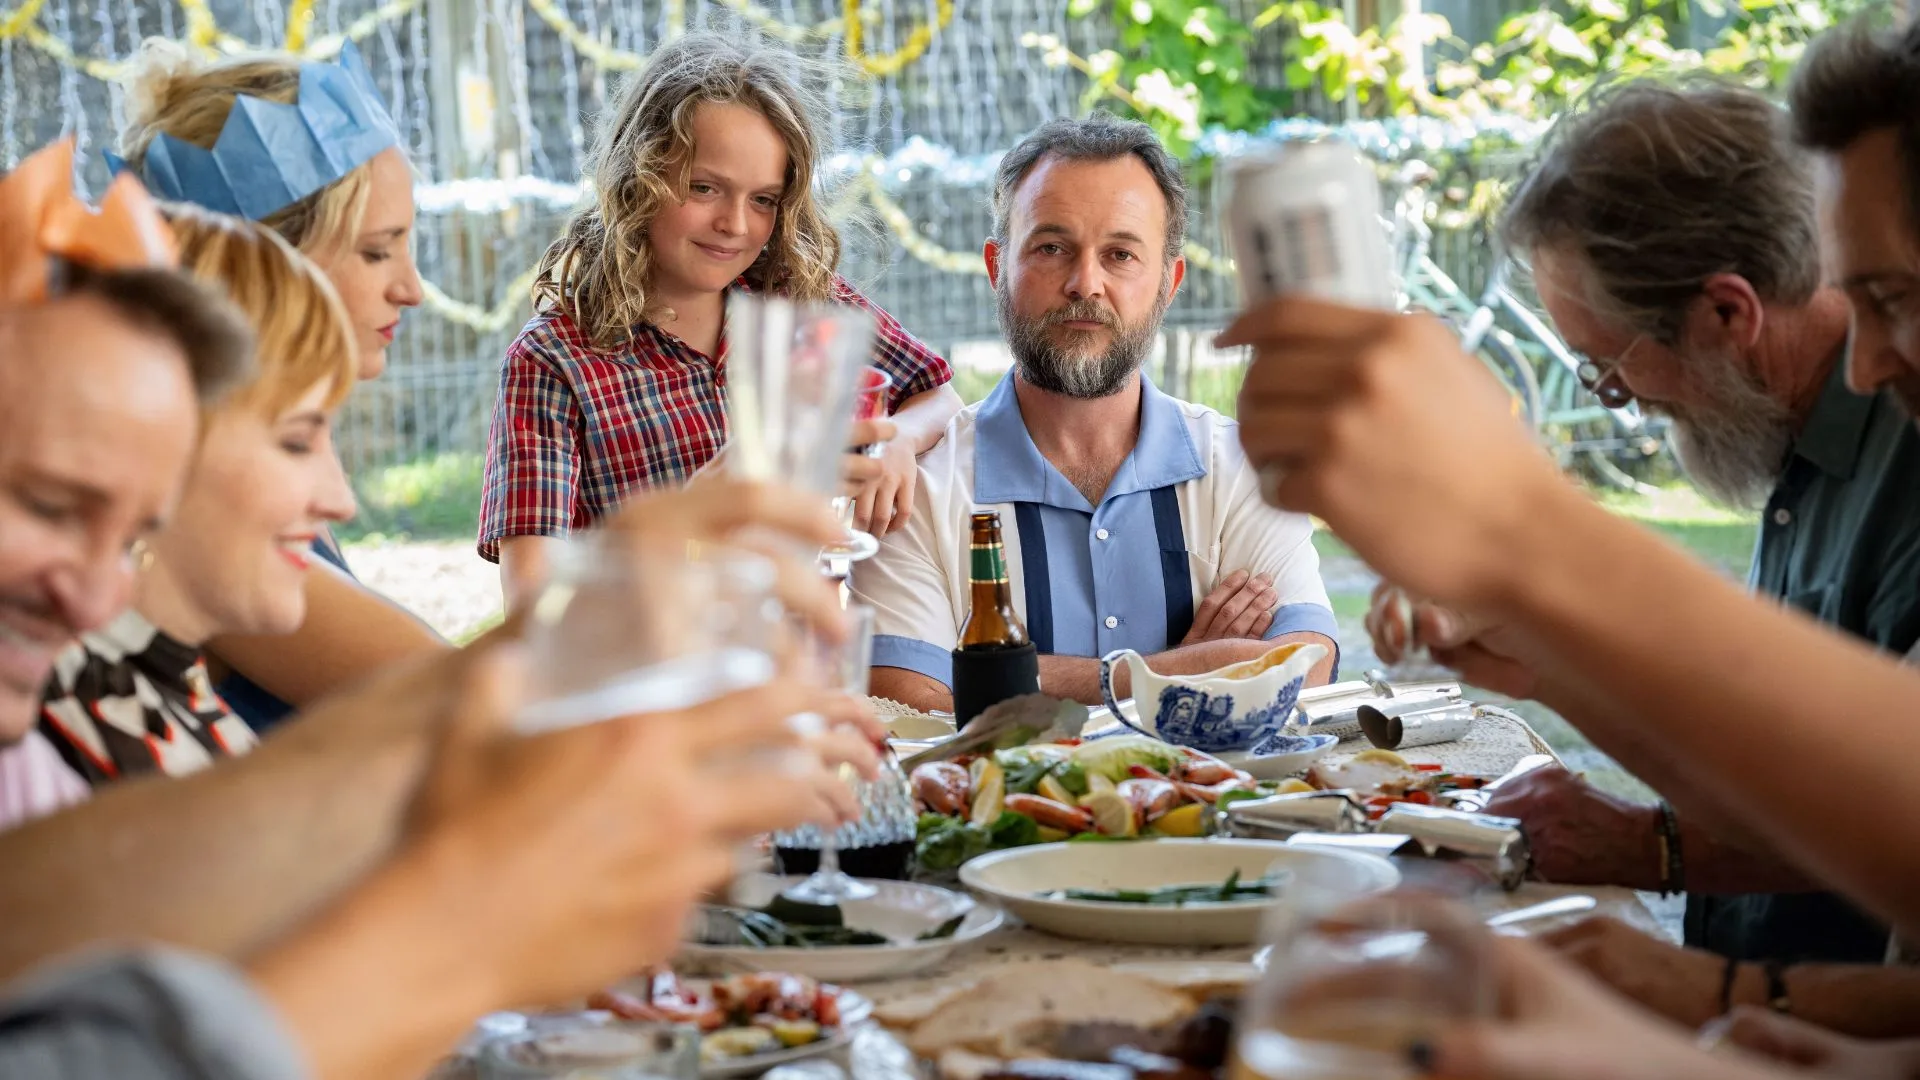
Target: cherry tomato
column 1427, row 768
column 1420, row 797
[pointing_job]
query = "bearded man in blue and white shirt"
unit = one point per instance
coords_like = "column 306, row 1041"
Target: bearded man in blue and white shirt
column 1132, row 520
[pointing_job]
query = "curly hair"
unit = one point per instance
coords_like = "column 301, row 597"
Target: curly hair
column 600, row 272
column 172, row 92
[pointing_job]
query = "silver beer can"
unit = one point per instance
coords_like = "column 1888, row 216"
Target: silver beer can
column 1304, row 217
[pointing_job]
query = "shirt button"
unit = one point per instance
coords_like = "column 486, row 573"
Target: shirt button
column 1112, row 622
column 1101, row 534
column 1783, row 516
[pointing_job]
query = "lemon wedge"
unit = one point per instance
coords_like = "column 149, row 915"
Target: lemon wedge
column 1293, row 786
column 1053, row 789
column 1188, row 820
column 989, row 794
column 1112, row 813
column 1380, row 757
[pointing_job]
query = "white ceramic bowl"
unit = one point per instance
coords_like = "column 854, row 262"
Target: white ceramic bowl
column 899, row 909
column 1016, row 878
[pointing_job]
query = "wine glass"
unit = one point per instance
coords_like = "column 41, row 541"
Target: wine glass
column 869, row 403
column 1349, row 989
column 848, row 665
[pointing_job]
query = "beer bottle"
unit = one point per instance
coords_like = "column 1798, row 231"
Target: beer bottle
column 995, row 660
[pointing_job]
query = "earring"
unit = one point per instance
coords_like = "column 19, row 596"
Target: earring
column 141, row 555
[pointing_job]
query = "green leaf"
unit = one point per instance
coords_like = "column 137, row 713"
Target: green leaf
column 1610, row 10
column 1080, row 9
column 1014, row 830
column 944, row 931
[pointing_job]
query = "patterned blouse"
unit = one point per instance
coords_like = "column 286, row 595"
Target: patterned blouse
column 127, row 700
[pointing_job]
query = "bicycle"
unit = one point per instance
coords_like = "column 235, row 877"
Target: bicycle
column 1530, row 360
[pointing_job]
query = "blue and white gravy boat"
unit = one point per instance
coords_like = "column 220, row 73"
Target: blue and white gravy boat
column 1238, row 707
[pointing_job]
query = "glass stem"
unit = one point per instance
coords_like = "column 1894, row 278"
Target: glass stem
column 829, row 858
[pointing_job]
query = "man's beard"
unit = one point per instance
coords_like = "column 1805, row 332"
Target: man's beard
column 1047, row 366
column 1734, row 442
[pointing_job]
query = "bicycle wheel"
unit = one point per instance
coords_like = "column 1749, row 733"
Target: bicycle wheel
column 1515, row 372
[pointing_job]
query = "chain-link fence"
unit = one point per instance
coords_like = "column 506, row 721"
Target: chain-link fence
column 495, row 99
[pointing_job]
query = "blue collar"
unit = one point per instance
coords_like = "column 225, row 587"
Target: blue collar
column 1008, row 468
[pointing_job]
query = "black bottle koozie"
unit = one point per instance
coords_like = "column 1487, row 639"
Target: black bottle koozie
column 983, row 678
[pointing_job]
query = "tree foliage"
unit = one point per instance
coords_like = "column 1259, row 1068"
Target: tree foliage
column 1182, row 65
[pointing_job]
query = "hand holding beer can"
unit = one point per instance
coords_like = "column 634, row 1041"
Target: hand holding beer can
column 1304, row 218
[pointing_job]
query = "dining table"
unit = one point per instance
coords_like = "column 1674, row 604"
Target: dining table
column 1497, row 742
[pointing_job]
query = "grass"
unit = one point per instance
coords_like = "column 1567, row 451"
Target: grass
column 435, row 498
column 1719, row 537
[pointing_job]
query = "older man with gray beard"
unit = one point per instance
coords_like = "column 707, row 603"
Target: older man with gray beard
column 1122, row 506
column 1672, row 235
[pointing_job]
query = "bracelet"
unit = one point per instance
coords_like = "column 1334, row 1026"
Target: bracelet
column 1673, row 876
column 1726, row 985
column 1777, row 987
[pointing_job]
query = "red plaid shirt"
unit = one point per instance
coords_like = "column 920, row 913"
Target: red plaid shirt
column 576, row 429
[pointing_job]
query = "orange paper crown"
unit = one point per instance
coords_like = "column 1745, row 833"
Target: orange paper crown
column 42, row 220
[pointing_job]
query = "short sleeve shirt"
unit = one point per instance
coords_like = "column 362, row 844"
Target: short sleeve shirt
column 576, row 429
column 1183, row 511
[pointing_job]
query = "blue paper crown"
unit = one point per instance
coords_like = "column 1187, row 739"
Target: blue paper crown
column 270, row 156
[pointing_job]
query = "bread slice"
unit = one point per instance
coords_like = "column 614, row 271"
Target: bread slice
column 1009, row 1013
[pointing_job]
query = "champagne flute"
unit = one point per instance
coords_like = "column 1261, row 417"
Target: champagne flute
column 1350, row 989
column 869, row 403
column 792, row 377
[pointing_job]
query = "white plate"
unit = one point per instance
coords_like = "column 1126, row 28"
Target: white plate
column 855, row 1010
column 1016, row 877
column 899, row 909
column 1307, row 749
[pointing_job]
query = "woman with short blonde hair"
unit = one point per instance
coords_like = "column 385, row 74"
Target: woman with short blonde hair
column 134, row 697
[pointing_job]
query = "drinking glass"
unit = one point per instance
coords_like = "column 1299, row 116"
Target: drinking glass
column 886, row 819
column 869, row 403
column 1349, row 989
column 619, row 631
column 589, row 1047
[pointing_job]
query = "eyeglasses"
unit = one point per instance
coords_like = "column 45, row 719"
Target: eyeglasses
column 1603, row 380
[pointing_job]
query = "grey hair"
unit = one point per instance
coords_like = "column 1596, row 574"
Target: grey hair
column 1854, row 81
column 1099, row 137
column 1656, row 186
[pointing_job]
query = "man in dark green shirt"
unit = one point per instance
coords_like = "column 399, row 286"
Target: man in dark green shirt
column 1672, row 236
column 1840, row 540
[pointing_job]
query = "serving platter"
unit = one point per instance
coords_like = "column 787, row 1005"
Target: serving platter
column 1019, row 880
column 898, row 909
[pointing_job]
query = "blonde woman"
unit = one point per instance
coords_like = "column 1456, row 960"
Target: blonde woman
column 704, row 179
column 133, row 697
column 357, row 227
